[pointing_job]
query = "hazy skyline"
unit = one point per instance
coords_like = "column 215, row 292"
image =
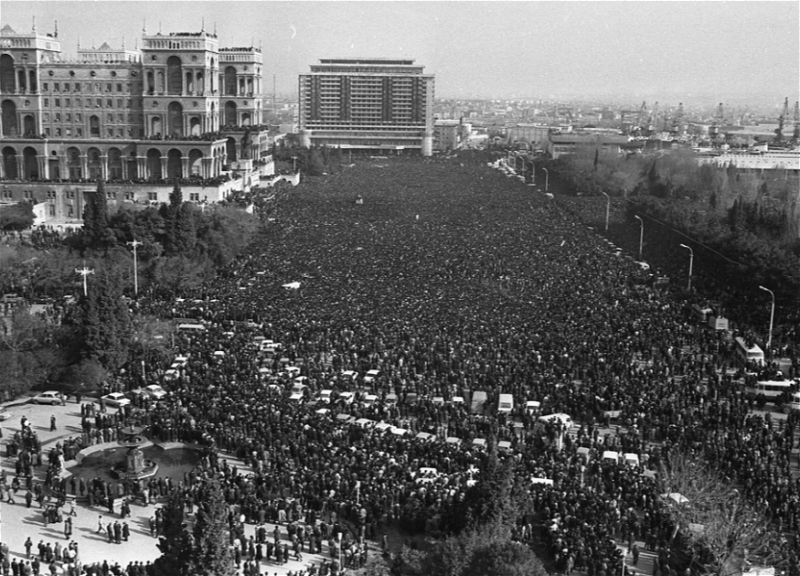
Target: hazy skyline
column 656, row 50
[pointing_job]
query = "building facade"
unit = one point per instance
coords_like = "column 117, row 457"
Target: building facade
column 370, row 104
column 177, row 108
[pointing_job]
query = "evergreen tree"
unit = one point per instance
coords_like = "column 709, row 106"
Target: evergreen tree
column 212, row 555
column 96, row 232
column 176, row 196
column 176, row 542
column 104, row 321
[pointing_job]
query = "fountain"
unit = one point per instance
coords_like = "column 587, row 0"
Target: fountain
column 135, row 466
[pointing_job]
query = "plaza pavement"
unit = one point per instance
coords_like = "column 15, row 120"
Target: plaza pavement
column 19, row 522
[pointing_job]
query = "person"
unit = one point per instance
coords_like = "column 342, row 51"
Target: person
column 68, row 527
column 53, row 423
column 635, row 553
column 28, row 546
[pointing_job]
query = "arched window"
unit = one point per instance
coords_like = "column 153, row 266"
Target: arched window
column 21, row 80
column 174, row 76
column 195, row 163
column 151, row 83
column 154, row 164
column 174, row 164
column 155, row 126
column 114, row 164
column 74, row 163
column 230, row 149
column 8, row 82
column 10, row 127
column 245, row 119
column 194, row 126
column 94, row 163
column 10, row 162
column 29, row 126
column 189, row 83
column 30, row 164
column 230, row 113
column 230, row 81
column 175, row 112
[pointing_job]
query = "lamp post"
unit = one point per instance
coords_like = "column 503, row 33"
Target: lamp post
column 641, row 234
column 135, row 243
column 608, row 208
column 294, row 163
column 546, row 178
column 84, row 272
column 691, row 261
column 771, row 318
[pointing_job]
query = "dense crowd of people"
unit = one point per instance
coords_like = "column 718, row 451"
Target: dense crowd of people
column 448, row 278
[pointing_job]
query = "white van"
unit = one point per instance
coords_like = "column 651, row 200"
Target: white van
column 770, row 389
column 505, row 404
column 793, row 403
column 747, row 353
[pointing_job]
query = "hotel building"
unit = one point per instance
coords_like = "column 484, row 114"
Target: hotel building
column 374, row 105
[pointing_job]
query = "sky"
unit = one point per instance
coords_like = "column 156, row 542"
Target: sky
column 672, row 50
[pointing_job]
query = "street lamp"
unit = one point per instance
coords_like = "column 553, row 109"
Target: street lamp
column 608, row 208
column 641, row 234
column 771, row 318
column 135, row 243
column 84, row 272
column 294, row 163
column 691, row 261
column 546, row 178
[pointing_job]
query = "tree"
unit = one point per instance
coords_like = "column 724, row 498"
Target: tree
column 212, row 557
column 104, row 321
column 726, row 530
column 96, row 232
column 176, row 542
column 16, row 216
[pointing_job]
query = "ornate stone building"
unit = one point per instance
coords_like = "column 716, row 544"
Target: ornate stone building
column 176, row 107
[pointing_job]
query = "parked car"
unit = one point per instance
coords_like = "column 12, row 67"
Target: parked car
column 5, row 414
column 115, row 400
column 50, row 397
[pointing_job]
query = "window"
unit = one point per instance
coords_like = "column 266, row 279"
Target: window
column 129, row 196
column 119, row 87
column 119, row 102
column 47, row 132
column 57, row 102
column 108, row 87
column 68, row 131
column 58, row 132
column 7, row 194
column 77, row 86
column 67, row 102
column 152, row 196
column 194, row 196
column 110, row 196
column 51, row 194
column 52, row 209
column 58, row 117
column 78, row 118
column 68, row 117
column 109, row 103
column 79, row 132
column 56, row 87
column 120, row 132
column 70, row 194
column 27, row 194
column 71, row 211
column 110, row 132
column 44, row 86
column 99, row 103
column 46, row 116
column 47, row 102
column 78, row 103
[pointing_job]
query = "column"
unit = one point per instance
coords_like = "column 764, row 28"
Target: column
column 63, row 173
column 124, row 163
column 185, row 167
column 104, row 166
column 2, row 169
column 44, row 171
column 141, row 163
column 164, row 167
column 84, row 166
column 20, row 167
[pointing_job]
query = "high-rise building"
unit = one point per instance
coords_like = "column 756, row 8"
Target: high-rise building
column 368, row 104
column 178, row 107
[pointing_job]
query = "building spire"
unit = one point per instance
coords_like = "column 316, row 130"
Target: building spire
column 34, row 25
column 203, row 25
column 55, row 32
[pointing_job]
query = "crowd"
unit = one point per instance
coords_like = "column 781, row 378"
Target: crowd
column 448, row 279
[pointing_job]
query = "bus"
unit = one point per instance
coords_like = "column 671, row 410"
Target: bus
column 770, row 389
column 748, row 354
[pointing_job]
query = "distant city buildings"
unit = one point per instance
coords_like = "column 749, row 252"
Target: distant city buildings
column 380, row 105
column 176, row 108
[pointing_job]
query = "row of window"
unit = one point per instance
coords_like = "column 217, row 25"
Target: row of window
column 97, row 102
column 120, row 118
column 69, row 132
column 70, row 195
column 87, row 87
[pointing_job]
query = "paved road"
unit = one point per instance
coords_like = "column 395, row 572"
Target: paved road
column 19, row 522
